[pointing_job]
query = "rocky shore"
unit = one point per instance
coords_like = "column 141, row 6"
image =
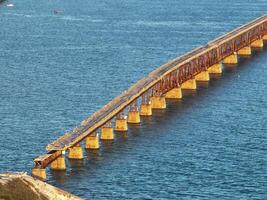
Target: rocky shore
column 20, row 186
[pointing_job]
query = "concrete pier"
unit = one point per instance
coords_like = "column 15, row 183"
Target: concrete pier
column 232, row 59
column 189, row 84
column 175, row 93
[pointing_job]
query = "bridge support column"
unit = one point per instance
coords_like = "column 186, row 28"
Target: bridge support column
column 107, row 133
column 121, row 122
column 134, row 117
column 215, row 69
column 203, row 76
column 121, row 125
column 39, row 173
column 232, row 59
column 145, row 107
column 158, row 102
column 58, row 163
column 92, row 141
column 145, row 110
column 76, row 152
column 175, row 93
column 189, row 84
column 264, row 37
column 257, row 43
column 245, row 51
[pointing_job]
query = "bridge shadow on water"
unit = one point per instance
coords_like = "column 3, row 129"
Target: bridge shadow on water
column 127, row 141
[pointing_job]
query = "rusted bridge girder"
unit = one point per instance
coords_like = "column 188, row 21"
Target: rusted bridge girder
column 160, row 81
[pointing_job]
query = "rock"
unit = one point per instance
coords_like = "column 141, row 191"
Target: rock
column 20, row 186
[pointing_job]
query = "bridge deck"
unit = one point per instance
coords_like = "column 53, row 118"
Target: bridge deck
column 120, row 102
column 115, row 106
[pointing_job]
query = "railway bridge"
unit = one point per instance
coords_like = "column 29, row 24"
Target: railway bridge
column 152, row 92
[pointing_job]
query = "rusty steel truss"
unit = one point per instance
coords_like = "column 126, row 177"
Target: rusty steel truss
column 158, row 82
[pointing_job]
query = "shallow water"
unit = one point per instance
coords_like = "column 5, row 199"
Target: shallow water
column 57, row 69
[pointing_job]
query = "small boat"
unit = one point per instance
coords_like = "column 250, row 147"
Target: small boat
column 10, row 5
column 58, row 12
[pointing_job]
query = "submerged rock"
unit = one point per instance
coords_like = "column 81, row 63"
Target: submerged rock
column 20, row 186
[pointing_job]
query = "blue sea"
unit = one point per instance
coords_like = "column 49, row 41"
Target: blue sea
column 60, row 61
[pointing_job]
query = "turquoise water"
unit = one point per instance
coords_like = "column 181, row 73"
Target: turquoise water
column 57, row 69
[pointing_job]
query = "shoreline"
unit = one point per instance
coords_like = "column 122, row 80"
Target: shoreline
column 20, row 186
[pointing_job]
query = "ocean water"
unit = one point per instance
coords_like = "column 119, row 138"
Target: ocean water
column 57, row 68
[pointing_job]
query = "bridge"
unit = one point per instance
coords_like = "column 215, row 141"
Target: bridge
column 167, row 82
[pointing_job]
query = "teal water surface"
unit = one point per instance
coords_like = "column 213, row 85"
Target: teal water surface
column 57, row 68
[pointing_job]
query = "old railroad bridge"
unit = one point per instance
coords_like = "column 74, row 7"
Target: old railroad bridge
column 167, row 81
